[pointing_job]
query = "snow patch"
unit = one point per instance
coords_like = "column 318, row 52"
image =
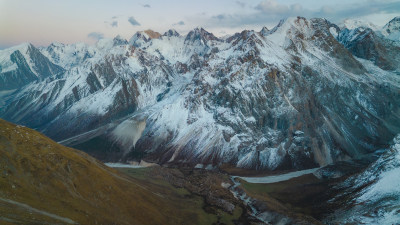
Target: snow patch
column 128, row 133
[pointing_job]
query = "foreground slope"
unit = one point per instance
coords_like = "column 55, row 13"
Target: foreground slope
column 373, row 196
column 46, row 183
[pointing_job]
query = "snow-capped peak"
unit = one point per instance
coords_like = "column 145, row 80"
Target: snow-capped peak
column 23, row 47
column 171, row 33
column 199, row 34
column 281, row 22
column 393, row 25
column 299, row 23
column 235, row 100
column 105, row 44
column 264, row 31
column 392, row 29
column 5, row 62
column 352, row 24
column 141, row 37
column 118, row 40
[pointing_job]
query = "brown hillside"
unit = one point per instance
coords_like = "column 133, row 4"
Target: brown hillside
column 44, row 182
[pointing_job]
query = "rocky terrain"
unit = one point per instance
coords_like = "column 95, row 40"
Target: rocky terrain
column 306, row 93
column 46, row 183
column 372, row 196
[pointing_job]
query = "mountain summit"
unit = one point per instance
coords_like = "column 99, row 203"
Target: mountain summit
column 306, row 93
column 392, row 29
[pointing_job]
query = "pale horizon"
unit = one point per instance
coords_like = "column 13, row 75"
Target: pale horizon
column 44, row 22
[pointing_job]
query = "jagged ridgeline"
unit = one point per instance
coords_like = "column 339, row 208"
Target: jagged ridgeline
column 303, row 94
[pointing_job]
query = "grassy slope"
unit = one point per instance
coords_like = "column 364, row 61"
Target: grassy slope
column 192, row 207
column 42, row 174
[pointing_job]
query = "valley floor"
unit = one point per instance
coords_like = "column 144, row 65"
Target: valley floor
column 216, row 197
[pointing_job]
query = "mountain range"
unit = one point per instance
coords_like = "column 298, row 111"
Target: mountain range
column 303, row 94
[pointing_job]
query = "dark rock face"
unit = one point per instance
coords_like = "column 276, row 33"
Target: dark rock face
column 171, row 33
column 366, row 44
column 393, row 26
column 200, row 35
column 37, row 69
column 291, row 97
column 119, row 41
column 17, row 78
column 321, row 124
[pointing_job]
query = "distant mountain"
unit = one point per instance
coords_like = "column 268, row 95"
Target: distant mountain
column 305, row 93
column 376, row 45
column 392, row 29
column 352, row 24
column 23, row 64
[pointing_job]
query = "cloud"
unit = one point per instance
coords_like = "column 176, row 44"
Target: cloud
column 146, row 6
column 359, row 10
column 332, row 12
column 219, row 17
column 241, row 4
column 114, row 23
column 96, row 35
column 273, row 7
column 269, row 12
column 180, row 23
column 133, row 21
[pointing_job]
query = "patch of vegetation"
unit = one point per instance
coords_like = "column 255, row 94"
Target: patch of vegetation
column 189, row 206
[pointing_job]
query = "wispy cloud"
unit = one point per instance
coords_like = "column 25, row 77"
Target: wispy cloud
column 133, row 21
column 269, row 12
column 146, row 6
column 359, row 10
column 96, row 35
column 241, row 4
column 180, row 23
column 114, row 23
column 219, row 17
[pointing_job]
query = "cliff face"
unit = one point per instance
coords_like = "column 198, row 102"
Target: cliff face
column 24, row 64
column 303, row 94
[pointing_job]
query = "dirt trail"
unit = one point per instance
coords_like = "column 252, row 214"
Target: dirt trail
column 27, row 207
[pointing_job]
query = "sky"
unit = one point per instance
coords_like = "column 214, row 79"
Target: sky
column 42, row 22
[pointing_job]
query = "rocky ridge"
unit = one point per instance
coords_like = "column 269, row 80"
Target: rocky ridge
column 306, row 93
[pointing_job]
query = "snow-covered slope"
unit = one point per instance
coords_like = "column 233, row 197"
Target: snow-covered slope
column 392, row 29
column 375, row 44
column 375, row 193
column 352, row 24
column 22, row 64
column 289, row 97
